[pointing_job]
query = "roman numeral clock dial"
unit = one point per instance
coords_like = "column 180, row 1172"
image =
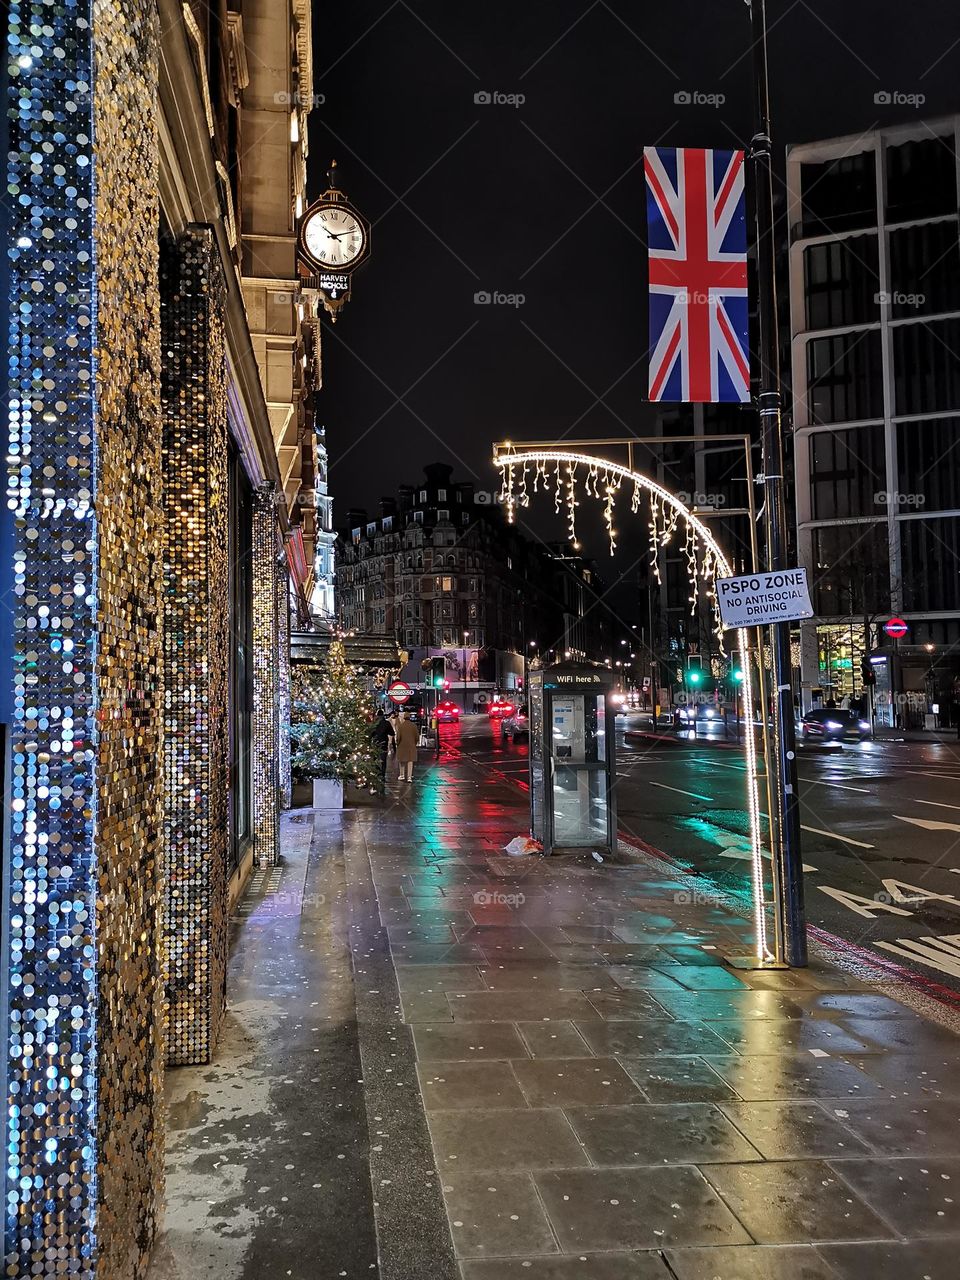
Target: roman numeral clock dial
column 334, row 240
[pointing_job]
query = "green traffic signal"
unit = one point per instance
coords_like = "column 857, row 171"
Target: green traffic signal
column 738, row 675
column 694, row 677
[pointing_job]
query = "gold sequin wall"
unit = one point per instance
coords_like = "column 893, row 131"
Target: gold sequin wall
column 129, row 793
column 196, row 641
column 266, row 720
column 84, row 1142
column 283, row 688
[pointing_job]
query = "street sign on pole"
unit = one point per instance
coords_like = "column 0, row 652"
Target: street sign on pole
column 896, row 627
column 400, row 692
column 756, row 599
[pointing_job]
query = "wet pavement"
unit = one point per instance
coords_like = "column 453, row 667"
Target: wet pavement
column 442, row 1062
column 880, row 841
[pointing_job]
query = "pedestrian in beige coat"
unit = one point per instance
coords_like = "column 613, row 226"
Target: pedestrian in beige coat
column 407, row 737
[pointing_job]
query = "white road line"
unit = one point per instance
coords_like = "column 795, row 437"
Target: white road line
column 928, row 824
column 938, row 803
column 835, row 836
column 679, row 790
column 817, row 782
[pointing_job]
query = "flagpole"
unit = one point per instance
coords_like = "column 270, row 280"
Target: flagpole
column 785, row 821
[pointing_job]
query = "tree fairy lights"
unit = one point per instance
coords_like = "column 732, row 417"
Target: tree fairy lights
column 331, row 726
column 559, row 470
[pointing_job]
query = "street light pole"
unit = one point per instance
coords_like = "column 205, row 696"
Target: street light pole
column 466, row 673
column 785, row 820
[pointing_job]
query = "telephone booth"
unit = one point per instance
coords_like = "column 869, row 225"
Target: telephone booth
column 572, row 757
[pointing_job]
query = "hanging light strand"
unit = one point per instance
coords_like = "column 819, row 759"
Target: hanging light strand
column 572, row 504
column 654, row 525
column 690, row 549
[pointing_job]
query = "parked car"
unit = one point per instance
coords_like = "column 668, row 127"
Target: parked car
column 832, row 724
column 515, row 726
column 499, row 708
column 448, row 712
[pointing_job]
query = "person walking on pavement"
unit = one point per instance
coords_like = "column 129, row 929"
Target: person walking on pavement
column 408, row 735
column 382, row 734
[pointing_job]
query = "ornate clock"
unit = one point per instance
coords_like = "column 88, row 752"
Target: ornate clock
column 334, row 240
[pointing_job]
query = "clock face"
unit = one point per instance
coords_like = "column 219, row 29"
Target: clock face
column 333, row 236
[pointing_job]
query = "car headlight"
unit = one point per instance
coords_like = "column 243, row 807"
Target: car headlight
column 864, row 724
column 833, row 724
column 710, row 713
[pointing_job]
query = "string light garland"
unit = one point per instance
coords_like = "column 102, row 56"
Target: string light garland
column 705, row 563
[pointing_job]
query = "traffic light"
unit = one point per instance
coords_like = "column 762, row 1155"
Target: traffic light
column 867, row 673
column 438, row 674
column 693, row 677
column 737, row 675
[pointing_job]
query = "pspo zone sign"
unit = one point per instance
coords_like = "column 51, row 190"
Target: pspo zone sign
column 756, row 599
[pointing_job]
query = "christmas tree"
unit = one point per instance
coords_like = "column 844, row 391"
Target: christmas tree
column 331, row 723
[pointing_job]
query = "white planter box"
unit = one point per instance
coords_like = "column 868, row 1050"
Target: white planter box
column 327, row 794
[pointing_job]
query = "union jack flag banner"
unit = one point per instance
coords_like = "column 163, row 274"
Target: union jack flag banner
column 697, row 238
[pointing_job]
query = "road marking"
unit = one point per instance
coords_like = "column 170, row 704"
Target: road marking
column 836, row 836
column 929, row 824
column 941, row 953
column 939, row 803
column 746, row 855
column 817, row 782
column 679, row 790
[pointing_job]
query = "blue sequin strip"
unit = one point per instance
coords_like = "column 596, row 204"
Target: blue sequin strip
column 51, row 1148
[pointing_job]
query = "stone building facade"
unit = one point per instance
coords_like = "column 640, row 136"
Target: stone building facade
column 151, row 549
column 440, row 570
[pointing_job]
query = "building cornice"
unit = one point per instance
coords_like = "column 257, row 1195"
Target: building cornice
column 189, row 192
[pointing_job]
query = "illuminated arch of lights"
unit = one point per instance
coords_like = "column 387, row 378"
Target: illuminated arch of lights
column 525, row 471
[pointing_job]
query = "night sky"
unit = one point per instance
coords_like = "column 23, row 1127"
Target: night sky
column 546, row 198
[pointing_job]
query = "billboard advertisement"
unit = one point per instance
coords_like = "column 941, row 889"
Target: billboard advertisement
column 462, row 665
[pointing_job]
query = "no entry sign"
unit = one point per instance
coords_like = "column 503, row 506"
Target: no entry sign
column 755, row 599
column 895, row 627
column 400, row 691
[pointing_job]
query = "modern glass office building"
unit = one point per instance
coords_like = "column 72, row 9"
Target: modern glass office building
column 875, row 324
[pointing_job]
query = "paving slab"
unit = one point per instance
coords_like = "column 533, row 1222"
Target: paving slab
column 649, row 1134
column 520, row 1006
column 916, row 1260
column 563, row 1082
column 794, row 1202
column 785, row 1130
column 639, row 1038
column 636, row 1209
column 750, row 1262
column 554, row 1040
column 774, row 1076
column 930, row 1128
column 511, row 1140
column 451, row 1086
column 594, row 1266
column 678, row 1079
column 534, row 975
column 496, row 1215
column 918, row 1195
